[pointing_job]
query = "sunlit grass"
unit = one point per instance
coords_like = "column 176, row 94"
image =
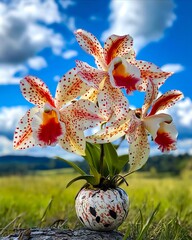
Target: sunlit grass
column 42, row 200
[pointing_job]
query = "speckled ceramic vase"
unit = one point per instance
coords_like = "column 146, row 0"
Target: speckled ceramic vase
column 102, row 210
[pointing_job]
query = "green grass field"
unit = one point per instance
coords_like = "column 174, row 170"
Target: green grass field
column 41, row 200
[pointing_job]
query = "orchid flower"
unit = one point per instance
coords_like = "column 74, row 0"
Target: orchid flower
column 139, row 123
column 59, row 120
column 107, row 89
column 118, row 69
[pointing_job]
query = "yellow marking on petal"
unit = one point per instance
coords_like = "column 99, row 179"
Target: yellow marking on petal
column 123, row 78
column 102, row 83
column 49, row 115
column 119, row 70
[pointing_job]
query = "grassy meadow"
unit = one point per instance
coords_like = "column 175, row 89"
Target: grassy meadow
column 161, row 207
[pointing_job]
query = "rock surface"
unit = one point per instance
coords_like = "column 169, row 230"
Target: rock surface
column 55, row 234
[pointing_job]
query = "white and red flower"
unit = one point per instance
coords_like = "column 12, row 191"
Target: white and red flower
column 117, row 69
column 58, row 120
column 139, row 123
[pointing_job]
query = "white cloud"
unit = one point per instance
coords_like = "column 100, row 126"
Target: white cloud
column 69, row 54
column 46, row 11
column 9, row 117
column 146, row 21
column 172, row 67
column 66, row 3
column 11, row 74
column 184, row 146
column 24, row 29
column 71, row 24
column 182, row 115
column 6, row 148
column 37, row 63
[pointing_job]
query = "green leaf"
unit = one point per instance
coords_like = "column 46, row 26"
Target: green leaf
column 73, row 165
column 92, row 155
column 111, row 158
column 122, row 160
column 88, row 178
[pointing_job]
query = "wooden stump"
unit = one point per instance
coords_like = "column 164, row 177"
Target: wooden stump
column 66, row 234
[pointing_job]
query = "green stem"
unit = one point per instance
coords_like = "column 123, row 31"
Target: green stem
column 102, row 159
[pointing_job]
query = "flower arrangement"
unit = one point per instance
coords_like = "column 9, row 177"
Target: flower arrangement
column 87, row 97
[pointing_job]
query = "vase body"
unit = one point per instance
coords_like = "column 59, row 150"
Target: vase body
column 102, row 210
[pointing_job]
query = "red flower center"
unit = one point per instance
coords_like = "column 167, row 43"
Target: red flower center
column 165, row 142
column 123, row 79
column 50, row 129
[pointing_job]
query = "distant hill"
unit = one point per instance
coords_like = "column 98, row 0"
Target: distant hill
column 169, row 163
column 24, row 164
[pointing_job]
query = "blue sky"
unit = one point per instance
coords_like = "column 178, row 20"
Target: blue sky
column 36, row 38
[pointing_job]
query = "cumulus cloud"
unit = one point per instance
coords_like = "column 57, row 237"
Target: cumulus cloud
column 37, row 63
column 25, row 29
column 66, row 3
column 69, row 54
column 184, row 146
column 173, row 67
column 6, row 148
column 182, row 115
column 146, row 21
column 11, row 74
column 9, row 117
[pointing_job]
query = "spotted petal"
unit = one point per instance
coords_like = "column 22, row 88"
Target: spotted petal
column 113, row 132
column 165, row 101
column 117, row 46
column 82, row 115
column 108, row 134
column 36, row 91
column 91, row 95
column 151, row 71
column 130, row 57
column 92, row 76
column 134, row 122
column 150, row 95
column 23, row 136
column 70, row 87
column 124, row 75
column 113, row 104
column 139, row 149
column 73, row 141
column 91, row 45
